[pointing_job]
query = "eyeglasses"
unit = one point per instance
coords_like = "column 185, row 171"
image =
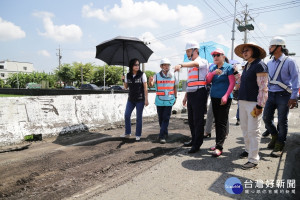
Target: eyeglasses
column 136, row 65
column 246, row 50
column 216, row 55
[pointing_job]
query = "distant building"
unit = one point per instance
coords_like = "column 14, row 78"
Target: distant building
column 10, row 67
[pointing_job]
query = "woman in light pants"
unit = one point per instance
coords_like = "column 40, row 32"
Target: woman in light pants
column 253, row 94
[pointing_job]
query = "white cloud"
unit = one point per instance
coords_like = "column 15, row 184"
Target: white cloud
column 44, row 53
column 290, row 28
column 84, row 55
column 9, row 31
column 62, row 33
column 144, row 14
column 189, row 15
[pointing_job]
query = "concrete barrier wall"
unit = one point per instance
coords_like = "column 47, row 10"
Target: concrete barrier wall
column 53, row 115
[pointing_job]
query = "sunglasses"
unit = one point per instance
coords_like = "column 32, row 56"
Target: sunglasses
column 216, row 55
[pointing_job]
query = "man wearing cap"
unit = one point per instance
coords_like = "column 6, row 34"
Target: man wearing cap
column 196, row 95
column 283, row 91
column 166, row 94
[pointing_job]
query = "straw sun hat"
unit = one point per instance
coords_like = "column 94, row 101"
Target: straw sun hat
column 239, row 50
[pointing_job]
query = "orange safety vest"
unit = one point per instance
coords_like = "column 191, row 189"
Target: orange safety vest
column 193, row 79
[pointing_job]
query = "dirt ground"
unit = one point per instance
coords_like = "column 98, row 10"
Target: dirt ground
column 59, row 167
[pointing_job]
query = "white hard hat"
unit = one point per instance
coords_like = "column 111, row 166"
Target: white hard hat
column 277, row 41
column 192, row 45
column 165, row 61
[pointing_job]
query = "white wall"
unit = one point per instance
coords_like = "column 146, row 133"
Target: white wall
column 15, row 67
column 52, row 115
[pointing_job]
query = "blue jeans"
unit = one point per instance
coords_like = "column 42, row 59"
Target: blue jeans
column 238, row 113
column 139, row 114
column 279, row 101
column 164, row 114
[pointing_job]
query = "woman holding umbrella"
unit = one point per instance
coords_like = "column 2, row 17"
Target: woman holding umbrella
column 136, row 81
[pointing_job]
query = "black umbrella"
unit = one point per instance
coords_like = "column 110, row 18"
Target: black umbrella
column 120, row 50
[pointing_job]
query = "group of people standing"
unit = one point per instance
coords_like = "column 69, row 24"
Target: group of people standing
column 262, row 89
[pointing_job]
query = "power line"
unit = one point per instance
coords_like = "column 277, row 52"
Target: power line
column 283, row 35
column 216, row 12
column 224, row 7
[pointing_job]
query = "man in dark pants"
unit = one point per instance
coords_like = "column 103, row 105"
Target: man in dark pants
column 283, row 92
column 196, row 95
column 166, row 94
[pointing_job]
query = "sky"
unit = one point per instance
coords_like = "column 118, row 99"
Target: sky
column 33, row 30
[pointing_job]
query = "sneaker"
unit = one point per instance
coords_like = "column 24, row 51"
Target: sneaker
column 271, row 145
column 212, row 148
column 266, row 133
column 249, row 165
column 277, row 150
column 217, row 153
column 137, row 138
column 162, row 141
column 244, row 154
column 125, row 135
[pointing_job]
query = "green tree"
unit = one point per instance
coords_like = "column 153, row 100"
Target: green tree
column 66, row 74
column 113, row 75
column 181, row 83
column 149, row 74
column 87, row 72
column 1, row 83
column 24, row 78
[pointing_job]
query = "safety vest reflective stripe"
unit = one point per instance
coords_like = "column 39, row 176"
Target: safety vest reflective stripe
column 194, row 76
column 197, row 83
column 160, row 93
column 163, row 93
column 165, row 88
column 161, row 82
column 193, row 69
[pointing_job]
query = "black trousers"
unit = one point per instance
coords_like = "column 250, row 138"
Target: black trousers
column 196, row 104
column 221, row 118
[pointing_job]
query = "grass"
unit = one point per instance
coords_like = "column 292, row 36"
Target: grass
column 11, row 95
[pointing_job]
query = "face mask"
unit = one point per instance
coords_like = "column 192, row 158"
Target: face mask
column 190, row 58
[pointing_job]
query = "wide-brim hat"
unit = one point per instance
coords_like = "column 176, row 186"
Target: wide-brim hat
column 239, row 50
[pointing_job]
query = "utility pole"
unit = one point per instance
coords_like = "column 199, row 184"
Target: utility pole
column 233, row 29
column 59, row 57
column 244, row 26
column 143, row 64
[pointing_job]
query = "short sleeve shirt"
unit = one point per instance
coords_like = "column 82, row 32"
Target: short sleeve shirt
column 144, row 78
column 203, row 69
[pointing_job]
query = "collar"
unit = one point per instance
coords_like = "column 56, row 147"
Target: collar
column 169, row 75
column 280, row 58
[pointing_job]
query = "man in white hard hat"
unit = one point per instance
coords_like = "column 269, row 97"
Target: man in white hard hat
column 283, row 91
column 166, row 94
column 196, row 95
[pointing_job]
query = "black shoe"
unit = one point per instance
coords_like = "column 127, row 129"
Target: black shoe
column 207, row 136
column 244, row 155
column 188, row 144
column 249, row 165
column 266, row 133
column 237, row 122
column 193, row 150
